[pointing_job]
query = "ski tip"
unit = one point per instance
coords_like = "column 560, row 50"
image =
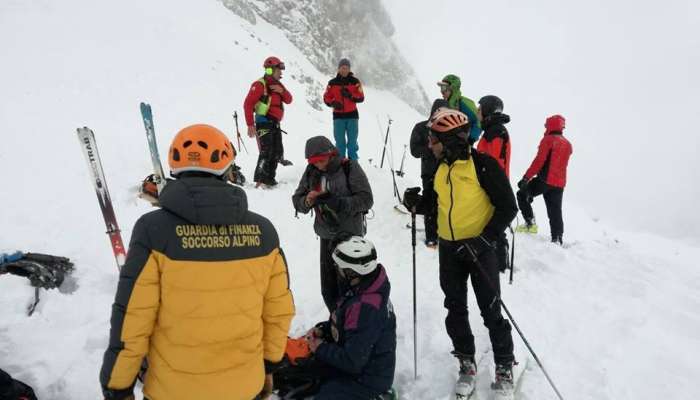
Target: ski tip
column 145, row 108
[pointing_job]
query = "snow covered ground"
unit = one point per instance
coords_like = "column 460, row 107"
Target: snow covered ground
column 612, row 316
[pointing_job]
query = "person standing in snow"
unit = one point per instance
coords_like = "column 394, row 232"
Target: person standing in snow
column 420, row 148
column 265, row 101
column 204, row 293
column 475, row 204
column 342, row 94
column 547, row 176
column 450, row 88
column 339, row 193
column 496, row 143
column 351, row 355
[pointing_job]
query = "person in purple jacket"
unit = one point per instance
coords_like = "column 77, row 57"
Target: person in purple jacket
column 353, row 353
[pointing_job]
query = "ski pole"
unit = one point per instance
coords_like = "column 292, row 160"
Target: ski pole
column 386, row 139
column 497, row 299
column 238, row 134
column 415, row 329
column 403, row 158
column 512, row 254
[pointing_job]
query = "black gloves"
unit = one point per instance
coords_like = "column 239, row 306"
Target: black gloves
column 411, row 198
column 336, row 105
column 474, row 247
column 522, row 184
column 345, row 93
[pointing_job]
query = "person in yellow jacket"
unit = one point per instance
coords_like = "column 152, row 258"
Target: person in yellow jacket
column 203, row 299
column 475, row 204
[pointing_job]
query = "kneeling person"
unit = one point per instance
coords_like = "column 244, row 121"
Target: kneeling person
column 353, row 353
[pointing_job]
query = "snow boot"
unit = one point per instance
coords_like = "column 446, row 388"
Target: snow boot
column 527, row 227
column 503, row 386
column 467, row 376
column 558, row 240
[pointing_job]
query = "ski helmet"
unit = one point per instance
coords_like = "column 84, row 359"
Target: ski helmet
column 490, row 105
column 200, row 148
column 271, row 63
column 356, row 254
column 555, row 123
column 446, row 120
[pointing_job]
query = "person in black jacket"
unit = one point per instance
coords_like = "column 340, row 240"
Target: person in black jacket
column 420, row 149
column 12, row 389
column 475, row 204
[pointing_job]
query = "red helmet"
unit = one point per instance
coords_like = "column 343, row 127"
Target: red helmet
column 271, row 62
column 555, row 123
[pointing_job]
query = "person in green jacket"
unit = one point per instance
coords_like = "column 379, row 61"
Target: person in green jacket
column 450, row 88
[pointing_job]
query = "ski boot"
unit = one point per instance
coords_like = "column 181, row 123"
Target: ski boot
column 527, row 227
column 558, row 240
column 503, row 386
column 466, row 382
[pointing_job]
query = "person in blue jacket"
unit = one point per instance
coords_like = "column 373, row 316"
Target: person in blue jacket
column 353, row 353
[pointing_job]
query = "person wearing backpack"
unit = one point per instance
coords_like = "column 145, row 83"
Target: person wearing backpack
column 338, row 191
column 475, row 205
column 264, row 109
column 547, row 176
column 496, row 142
column 342, row 94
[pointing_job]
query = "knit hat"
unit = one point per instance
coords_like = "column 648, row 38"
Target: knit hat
column 344, row 61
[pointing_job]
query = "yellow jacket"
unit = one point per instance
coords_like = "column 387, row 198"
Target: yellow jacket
column 204, row 297
column 464, row 208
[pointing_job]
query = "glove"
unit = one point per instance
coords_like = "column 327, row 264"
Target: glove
column 123, row 394
column 475, row 247
column 345, row 93
column 411, row 198
column 522, row 184
column 298, row 349
column 266, row 391
column 337, row 105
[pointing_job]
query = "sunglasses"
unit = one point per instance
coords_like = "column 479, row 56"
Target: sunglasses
column 444, row 88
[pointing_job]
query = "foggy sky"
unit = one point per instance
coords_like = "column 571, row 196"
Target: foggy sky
column 623, row 73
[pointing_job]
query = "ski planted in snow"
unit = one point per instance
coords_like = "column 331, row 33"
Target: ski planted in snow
column 158, row 175
column 89, row 147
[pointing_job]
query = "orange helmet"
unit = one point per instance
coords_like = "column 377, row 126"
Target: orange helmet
column 446, row 119
column 200, row 148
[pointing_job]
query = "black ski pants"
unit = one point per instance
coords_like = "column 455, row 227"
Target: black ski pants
column 430, row 216
column 552, row 199
column 455, row 271
column 271, row 149
column 330, row 281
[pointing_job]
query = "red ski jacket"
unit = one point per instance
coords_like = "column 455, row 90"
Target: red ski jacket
column 258, row 91
column 551, row 160
column 495, row 141
column 343, row 106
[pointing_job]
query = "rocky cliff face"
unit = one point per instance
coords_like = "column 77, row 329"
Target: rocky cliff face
column 328, row 30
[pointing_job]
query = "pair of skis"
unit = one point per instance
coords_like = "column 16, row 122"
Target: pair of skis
column 89, row 146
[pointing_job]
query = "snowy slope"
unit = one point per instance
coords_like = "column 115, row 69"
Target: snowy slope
column 613, row 316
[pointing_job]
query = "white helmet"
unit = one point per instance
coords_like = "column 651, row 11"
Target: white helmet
column 357, row 254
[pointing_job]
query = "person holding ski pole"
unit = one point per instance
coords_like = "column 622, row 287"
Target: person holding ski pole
column 450, row 88
column 342, row 94
column 547, row 176
column 351, row 355
column 420, row 148
column 203, row 299
column 265, row 101
column 496, row 142
column 475, row 204
column 339, row 193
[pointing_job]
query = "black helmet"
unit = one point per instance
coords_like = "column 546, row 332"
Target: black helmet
column 490, row 105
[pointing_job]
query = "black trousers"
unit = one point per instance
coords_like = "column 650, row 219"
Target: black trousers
column 552, row 199
column 271, row 151
column 430, row 216
column 330, row 281
column 455, row 272
column 503, row 252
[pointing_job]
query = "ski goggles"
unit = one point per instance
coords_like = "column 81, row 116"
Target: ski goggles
column 280, row 66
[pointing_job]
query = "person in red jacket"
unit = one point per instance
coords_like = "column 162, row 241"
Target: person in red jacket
column 342, row 94
column 496, row 143
column 266, row 99
column 547, row 176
